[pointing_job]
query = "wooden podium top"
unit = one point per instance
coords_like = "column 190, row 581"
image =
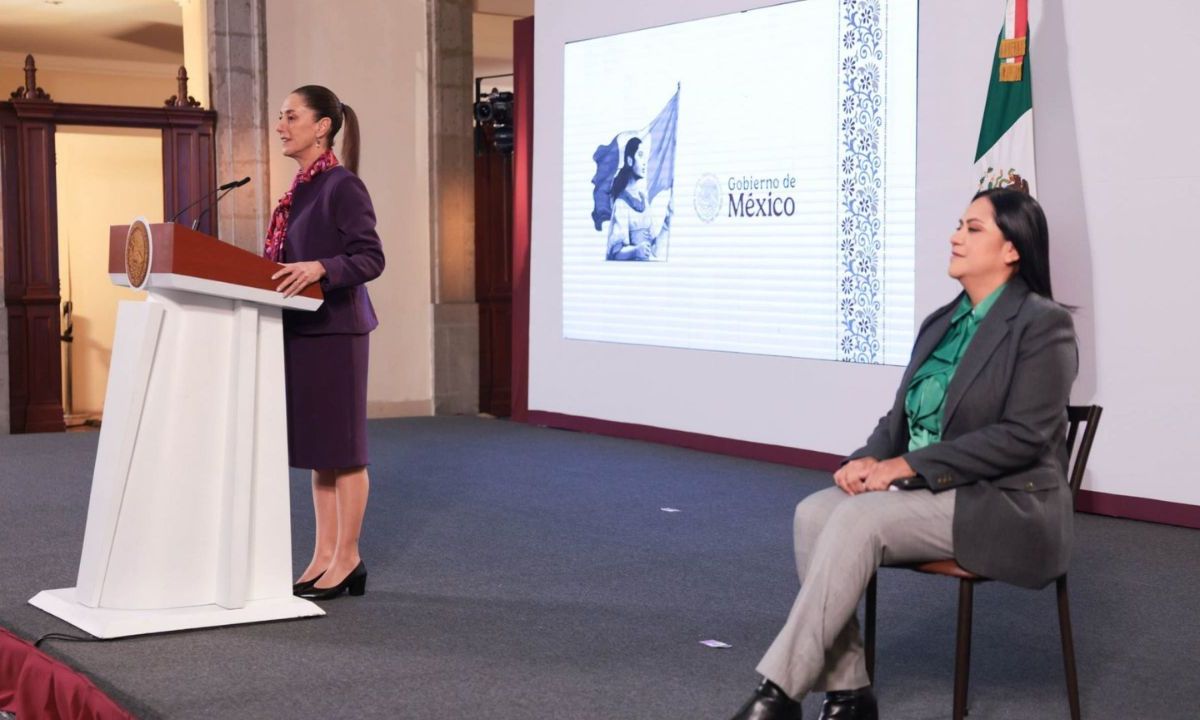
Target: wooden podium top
column 179, row 250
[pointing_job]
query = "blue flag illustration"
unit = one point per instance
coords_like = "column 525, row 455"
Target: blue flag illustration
column 660, row 171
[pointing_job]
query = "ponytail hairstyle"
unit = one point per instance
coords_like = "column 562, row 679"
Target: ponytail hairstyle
column 322, row 101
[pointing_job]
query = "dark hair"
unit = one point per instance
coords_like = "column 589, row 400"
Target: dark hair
column 322, row 101
column 621, row 181
column 1022, row 222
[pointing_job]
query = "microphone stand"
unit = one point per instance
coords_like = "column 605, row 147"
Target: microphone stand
column 226, row 187
column 196, row 222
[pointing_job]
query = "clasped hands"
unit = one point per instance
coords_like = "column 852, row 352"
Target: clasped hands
column 870, row 475
column 297, row 276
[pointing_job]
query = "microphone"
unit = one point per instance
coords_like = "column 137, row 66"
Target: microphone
column 226, row 187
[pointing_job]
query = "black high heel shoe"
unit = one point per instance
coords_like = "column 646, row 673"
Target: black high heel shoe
column 355, row 582
column 305, row 585
column 850, row 705
column 769, row 702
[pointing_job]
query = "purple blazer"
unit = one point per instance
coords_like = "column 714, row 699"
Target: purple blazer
column 333, row 221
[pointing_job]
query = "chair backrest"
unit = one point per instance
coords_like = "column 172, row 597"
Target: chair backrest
column 1089, row 417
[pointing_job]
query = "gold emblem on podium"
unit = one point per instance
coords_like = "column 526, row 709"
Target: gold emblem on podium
column 138, row 253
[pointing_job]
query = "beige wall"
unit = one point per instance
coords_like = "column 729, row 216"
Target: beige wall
column 376, row 62
column 78, row 80
column 492, row 30
column 106, row 176
column 493, row 49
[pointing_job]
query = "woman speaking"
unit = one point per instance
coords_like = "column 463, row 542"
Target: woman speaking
column 975, row 436
column 323, row 230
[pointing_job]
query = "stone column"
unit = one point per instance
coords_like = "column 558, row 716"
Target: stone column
column 452, row 207
column 237, row 59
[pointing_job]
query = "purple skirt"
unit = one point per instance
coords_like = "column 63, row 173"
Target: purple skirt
column 326, row 380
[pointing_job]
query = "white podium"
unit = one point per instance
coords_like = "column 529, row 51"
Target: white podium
column 188, row 524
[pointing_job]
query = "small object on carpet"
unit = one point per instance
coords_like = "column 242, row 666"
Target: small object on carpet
column 670, row 510
column 715, row 644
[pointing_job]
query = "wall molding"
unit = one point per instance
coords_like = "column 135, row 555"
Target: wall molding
column 783, row 455
column 1128, row 507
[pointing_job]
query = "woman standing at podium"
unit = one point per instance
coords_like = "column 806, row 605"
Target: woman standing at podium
column 323, row 231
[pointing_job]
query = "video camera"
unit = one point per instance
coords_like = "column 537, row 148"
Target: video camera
column 496, row 109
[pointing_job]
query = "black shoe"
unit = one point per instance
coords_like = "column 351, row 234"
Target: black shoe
column 355, row 582
column 850, row 705
column 304, row 585
column 769, row 703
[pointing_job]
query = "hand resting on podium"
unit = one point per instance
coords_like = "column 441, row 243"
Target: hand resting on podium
column 297, row 276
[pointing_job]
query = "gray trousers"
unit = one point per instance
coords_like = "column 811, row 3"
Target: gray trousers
column 840, row 542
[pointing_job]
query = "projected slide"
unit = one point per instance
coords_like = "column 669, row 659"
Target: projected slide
column 745, row 183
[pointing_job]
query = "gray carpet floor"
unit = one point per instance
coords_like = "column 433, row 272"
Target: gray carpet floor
column 520, row 572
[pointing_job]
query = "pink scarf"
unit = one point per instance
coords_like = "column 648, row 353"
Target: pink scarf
column 277, row 230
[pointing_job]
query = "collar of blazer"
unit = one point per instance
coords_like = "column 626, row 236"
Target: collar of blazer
column 992, row 330
column 315, row 185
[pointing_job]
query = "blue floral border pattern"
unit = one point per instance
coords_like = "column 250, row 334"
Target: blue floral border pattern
column 861, row 118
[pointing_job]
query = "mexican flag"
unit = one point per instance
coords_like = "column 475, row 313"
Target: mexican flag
column 1005, row 154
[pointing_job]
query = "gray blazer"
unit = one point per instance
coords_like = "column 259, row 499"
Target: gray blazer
column 1003, row 441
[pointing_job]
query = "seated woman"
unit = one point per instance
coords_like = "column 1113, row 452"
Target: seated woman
column 976, row 437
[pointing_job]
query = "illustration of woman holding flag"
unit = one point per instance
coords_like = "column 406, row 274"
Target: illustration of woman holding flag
column 634, row 187
column 637, row 231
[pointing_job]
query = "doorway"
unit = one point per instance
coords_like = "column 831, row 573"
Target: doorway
column 86, row 209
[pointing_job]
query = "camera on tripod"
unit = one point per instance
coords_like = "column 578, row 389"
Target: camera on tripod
column 494, row 109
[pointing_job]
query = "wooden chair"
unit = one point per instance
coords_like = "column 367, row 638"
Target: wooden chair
column 1087, row 416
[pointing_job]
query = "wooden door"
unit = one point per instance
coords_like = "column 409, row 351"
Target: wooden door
column 493, row 272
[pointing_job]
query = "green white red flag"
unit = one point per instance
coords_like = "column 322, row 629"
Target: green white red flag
column 1004, row 156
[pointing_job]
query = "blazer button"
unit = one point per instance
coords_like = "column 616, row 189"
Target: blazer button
column 1029, row 486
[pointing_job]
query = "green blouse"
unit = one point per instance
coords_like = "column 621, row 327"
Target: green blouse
column 927, row 391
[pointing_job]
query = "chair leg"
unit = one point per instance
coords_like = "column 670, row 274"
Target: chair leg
column 962, row 653
column 869, row 621
column 1068, row 646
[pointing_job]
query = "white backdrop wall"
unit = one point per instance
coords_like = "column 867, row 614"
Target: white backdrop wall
column 1116, row 172
column 1122, row 169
